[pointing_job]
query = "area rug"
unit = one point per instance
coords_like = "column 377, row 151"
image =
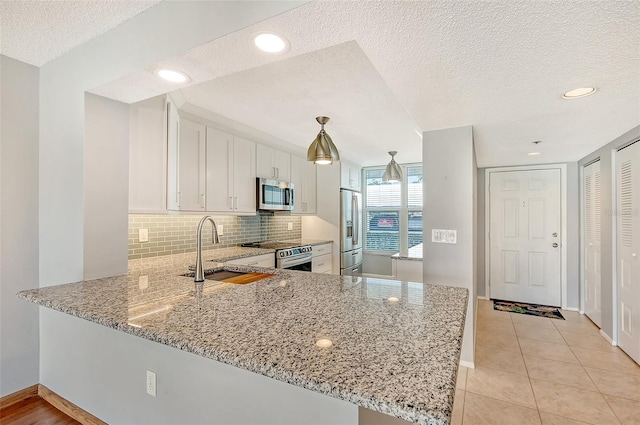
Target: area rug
column 524, row 308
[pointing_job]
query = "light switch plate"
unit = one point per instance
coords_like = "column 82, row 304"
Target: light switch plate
column 143, row 235
column 444, row 236
column 289, row 226
column 220, row 230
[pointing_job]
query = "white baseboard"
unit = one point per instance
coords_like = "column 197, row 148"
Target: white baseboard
column 470, row 365
column 573, row 309
column 482, row 298
column 609, row 340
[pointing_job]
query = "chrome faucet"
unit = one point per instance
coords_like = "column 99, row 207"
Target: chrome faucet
column 199, row 276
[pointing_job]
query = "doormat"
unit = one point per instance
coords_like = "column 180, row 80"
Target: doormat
column 524, row 308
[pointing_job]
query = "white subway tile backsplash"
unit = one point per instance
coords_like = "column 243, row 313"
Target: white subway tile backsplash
column 176, row 234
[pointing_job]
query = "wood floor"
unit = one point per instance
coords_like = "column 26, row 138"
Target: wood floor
column 34, row 411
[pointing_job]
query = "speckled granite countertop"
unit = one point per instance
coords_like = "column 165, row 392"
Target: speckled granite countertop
column 396, row 345
column 414, row 253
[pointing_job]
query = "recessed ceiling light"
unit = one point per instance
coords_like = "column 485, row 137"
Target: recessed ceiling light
column 580, row 92
column 172, row 76
column 271, row 43
column 534, row 153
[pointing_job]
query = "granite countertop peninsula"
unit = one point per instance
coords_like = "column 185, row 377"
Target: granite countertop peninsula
column 414, row 253
column 395, row 345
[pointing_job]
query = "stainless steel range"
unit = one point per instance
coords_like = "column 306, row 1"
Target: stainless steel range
column 289, row 255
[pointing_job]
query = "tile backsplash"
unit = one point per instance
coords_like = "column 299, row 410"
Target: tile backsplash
column 176, row 234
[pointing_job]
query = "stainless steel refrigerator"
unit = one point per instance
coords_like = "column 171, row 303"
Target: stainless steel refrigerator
column 350, row 232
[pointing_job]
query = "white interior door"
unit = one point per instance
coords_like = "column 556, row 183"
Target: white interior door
column 591, row 198
column 525, row 235
column 628, row 249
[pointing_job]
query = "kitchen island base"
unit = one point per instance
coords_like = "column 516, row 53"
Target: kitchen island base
column 103, row 371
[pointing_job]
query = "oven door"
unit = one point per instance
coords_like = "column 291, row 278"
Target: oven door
column 299, row 262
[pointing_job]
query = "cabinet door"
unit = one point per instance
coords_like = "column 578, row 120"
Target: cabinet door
column 147, row 155
column 349, row 175
column 321, row 264
column 298, row 180
column 354, row 176
column 273, row 163
column 219, row 170
column 303, row 176
column 265, row 162
column 310, row 187
column 173, row 136
column 283, row 165
column 191, row 166
column 244, row 175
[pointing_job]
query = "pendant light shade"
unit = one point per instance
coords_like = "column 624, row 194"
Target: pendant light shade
column 322, row 150
column 393, row 173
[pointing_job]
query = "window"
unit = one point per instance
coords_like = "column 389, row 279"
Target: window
column 393, row 210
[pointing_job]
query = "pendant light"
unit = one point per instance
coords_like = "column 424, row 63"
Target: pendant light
column 322, row 150
column 393, row 173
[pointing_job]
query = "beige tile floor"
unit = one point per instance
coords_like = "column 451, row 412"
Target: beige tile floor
column 535, row 370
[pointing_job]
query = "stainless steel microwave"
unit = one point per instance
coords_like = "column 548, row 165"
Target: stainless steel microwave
column 274, row 195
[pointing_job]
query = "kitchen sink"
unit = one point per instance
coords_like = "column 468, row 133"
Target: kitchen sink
column 229, row 276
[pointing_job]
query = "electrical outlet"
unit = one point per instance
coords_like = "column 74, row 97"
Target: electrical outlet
column 151, row 383
column 143, row 282
column 143, row 235
column 289, row 226
column 220, row 230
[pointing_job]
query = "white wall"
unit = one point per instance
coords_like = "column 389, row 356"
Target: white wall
column 450, row 189
column 105, row 374
column 106, row 183
column 18, row 223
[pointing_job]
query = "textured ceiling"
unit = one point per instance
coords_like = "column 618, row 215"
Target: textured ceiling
column 286, row 96
column 500, row 66
column 37, row 32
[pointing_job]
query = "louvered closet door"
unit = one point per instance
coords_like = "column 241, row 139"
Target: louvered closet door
column 591, row 198
column 628, row 249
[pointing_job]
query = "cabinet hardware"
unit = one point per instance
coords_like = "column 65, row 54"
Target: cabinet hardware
column 555, row 245
column 235, row 203
column 230, row 202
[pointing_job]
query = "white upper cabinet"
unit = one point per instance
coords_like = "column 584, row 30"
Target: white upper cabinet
column 219, row 196
column 273, row 163
column 350, row 175
column 303, row 176
column 191, row 166
column 172, row 137
column 231, row 178
column 147, row 155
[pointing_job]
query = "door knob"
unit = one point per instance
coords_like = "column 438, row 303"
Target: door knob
column 555, row 235
column 555, row 245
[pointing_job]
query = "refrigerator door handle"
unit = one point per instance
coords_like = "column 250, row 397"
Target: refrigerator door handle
column 356, row 219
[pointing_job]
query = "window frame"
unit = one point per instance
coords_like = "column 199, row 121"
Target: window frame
column 403, row 210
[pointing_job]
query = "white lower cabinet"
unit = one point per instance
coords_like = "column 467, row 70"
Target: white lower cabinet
column 321, row 261
column 407, row 270
column 263, row 260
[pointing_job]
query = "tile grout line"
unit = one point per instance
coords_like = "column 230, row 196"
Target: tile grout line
column 526, row 368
